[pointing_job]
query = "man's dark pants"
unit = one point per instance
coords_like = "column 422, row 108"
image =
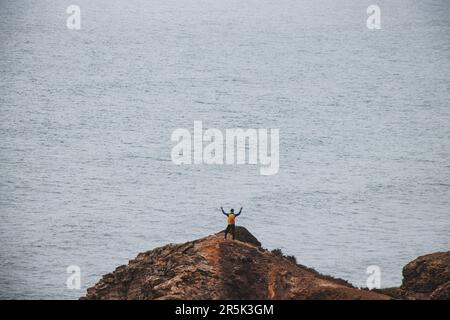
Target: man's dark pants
column 232, row 228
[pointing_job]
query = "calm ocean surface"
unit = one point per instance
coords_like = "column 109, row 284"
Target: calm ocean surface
column 86, row 118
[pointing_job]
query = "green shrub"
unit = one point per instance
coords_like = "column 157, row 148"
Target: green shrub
column 277, row 252
column 292, row 259
column 280, row 253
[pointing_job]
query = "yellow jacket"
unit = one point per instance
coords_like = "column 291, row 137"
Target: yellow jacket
column 231, row 217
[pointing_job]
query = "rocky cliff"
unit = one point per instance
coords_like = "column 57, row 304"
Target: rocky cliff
column 214, row 268
column 427, row 277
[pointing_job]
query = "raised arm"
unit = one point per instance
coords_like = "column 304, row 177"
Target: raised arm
column 221, row 208
column 239, row 212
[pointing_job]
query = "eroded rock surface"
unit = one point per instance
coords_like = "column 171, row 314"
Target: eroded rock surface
column 214, row 268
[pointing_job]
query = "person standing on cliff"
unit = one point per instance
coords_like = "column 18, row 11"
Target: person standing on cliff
column 230, row 221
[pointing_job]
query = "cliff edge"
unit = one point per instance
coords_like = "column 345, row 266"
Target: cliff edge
column 214, row 268
column 425, row 278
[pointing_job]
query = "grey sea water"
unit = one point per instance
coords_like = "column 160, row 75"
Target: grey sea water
column 86, row 118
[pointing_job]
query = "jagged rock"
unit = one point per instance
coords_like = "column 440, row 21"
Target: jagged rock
column 242, row 234
column 214, row 268
column 427, row 277
column 442, row 292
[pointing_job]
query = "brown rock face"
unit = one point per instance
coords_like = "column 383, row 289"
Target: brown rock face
column 442, row 292
column 214, row 268
column 428, row 277
column 243, row 235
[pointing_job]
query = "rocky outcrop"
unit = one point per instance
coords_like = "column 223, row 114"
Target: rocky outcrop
column 427, row 277
column 214, row 268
